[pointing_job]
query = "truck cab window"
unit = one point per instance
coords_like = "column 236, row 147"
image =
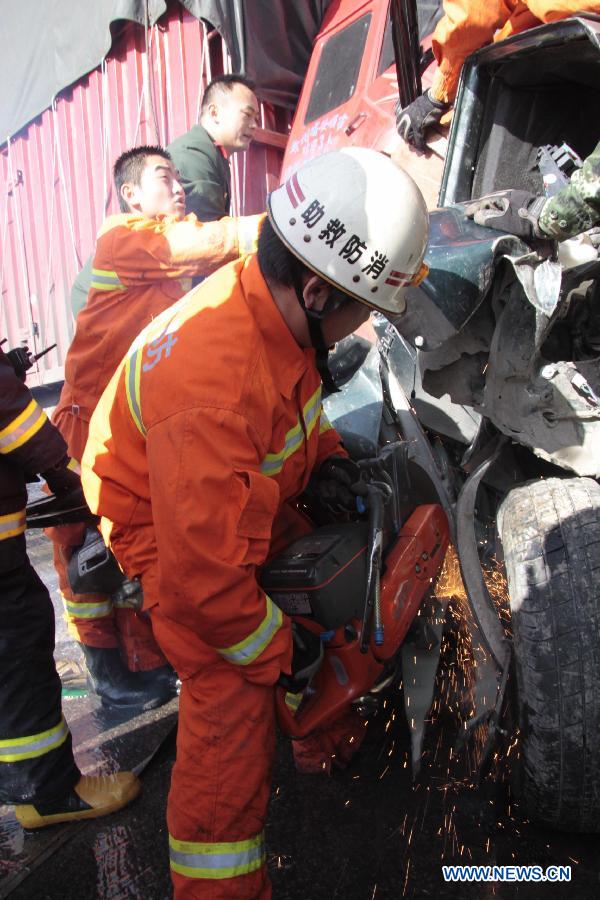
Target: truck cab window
column 338, row 69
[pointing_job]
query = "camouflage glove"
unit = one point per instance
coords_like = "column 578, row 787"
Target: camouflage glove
column 516, row 212
column 417, row 117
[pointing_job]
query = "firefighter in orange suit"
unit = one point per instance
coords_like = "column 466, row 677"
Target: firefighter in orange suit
column 210, row 426
column 37, row 770
column 466, row 26
column 143, row 263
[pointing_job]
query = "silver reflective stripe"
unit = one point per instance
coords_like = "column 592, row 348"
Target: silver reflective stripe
column 248, row 650
column 22, row 428
column 311, row 418
column 12, row 524
column 132, row 387
column 273, row 462
column 215, row 861
column 17, row 749
column 105, row 280
column 91, row 610
column 324, row 424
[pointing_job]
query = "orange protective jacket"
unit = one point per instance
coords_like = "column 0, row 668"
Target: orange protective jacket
column 468, row 25
column 141, row 266
column 212, row 422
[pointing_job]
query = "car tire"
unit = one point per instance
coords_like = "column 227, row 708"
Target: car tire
column 550, row 535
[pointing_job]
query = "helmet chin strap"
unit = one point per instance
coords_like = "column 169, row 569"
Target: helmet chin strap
column 314, row 320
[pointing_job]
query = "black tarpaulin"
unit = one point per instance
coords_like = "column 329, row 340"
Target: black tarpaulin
column 45, row 47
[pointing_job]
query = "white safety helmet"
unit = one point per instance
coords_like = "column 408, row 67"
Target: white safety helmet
column 359, row 221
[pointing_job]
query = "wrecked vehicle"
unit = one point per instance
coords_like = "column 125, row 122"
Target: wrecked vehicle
column 499, row 353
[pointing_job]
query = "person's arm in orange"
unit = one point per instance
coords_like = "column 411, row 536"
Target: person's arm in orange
column 213, row 512
column 143, row 250
column 466, row 26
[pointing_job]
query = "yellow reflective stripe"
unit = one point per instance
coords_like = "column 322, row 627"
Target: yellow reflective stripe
column 273, row 463
column 23, row 428
column 293, row 701
column 106, row 280
column 16, row 749
column 246, row 651
column 223, row 860
column 92, row 609
column 133, row 367
column 311, row 412
column 325, row 424
column 74, row 466
column 12, row 524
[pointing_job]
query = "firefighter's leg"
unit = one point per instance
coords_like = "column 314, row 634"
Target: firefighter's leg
column 37, row 767
column 35, row 742
column 136, row 640
column 91, row 621
column 90, row 617
column 220, row 787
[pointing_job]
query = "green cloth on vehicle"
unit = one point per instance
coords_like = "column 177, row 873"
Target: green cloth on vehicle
column 576, row 207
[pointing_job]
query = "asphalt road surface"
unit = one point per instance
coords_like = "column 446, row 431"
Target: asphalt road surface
column 368, row 831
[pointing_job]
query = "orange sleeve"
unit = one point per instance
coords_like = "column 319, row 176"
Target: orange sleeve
column 553, row 10
column 466, row 26
column 213, row 513
column 143, row 250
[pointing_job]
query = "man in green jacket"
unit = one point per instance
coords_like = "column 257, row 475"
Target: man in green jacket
column 229, row 116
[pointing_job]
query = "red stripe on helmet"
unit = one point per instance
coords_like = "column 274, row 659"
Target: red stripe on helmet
column 297, row 187
column 290, row 192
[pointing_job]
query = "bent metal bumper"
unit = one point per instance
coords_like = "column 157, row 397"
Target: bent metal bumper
column 492, row 651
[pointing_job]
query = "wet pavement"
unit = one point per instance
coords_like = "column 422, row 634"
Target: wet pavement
column 366, row 832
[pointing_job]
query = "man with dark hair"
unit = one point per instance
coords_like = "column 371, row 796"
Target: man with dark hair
column 204, row 450
column 143, row 263
column 38, row 773
column 229, row 117
column 129, row 169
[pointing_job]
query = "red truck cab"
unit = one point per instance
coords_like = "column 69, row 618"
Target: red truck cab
column 351, row 86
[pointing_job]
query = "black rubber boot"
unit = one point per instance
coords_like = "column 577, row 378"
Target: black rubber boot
column 118, row 687
column 164, row 675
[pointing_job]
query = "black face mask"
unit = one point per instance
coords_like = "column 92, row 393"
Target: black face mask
column 314, row 318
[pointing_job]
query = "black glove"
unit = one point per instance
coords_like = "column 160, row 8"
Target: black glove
column 306, row 659
column 516, row 212
column 417, row 117
column 20, row 360
column 336, row 479
column 63, row 481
